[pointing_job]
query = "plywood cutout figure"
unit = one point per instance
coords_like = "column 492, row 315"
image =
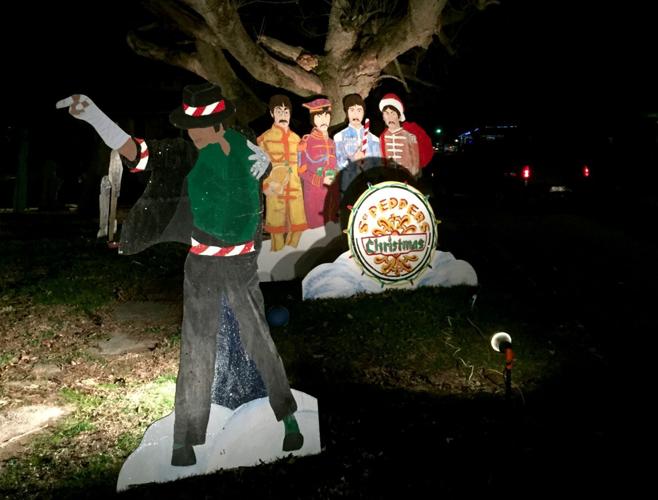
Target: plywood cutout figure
column 357, row 149
column 285, row 218
column 399, row 146
column 205, row 193
column 317, row 166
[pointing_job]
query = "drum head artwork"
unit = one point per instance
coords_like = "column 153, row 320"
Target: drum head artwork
column 392, row 233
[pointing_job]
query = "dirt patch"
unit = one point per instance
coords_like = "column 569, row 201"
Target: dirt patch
column 17, row 426
column 50, row 354
column 148, row 312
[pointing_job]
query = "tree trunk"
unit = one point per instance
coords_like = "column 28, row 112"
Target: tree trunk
column 219, row 71
column 362, row 39
column 350, row 76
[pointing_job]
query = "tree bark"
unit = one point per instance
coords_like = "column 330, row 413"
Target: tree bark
column 359, row 45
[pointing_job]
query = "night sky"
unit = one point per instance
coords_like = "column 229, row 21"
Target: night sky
column 584, row 64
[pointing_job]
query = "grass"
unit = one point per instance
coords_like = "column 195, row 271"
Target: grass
column 74, row 456
column 81, row 271
column 81, row 400
column 428, row 341
column 5, row 358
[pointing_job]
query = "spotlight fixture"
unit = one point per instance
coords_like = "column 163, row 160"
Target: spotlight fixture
column 502, row 342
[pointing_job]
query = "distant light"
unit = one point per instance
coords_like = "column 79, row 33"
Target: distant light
column 525, row 172
column 438, row 131
column 585, row 171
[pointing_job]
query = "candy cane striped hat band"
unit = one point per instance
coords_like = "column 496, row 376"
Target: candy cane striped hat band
column 203, row 106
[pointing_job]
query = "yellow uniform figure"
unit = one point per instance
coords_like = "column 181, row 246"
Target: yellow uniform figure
column 285, row 218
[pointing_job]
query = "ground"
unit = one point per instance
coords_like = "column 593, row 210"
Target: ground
column 406, row 406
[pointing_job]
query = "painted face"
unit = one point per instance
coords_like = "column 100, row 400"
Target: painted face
column 355, row 115
column 391, row 119
column 281, row 115
column 201, row 137
column 321, row 121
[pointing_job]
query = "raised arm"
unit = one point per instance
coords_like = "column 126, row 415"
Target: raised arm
column 83, row 108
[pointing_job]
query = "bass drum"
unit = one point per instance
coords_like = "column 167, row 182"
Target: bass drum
column 357, row 176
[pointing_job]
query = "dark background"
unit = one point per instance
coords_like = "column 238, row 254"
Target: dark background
column 582, row 70
column 576, row 72
column 580, row 63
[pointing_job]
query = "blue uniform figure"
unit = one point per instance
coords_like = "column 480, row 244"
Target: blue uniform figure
column 351, row 158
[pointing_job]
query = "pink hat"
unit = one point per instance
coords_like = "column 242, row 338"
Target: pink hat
column 318, row 104
column 392, row 100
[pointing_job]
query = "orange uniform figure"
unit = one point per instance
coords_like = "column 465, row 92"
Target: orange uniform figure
column 285, row 218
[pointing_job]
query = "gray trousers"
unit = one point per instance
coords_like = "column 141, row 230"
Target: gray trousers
column 206, row 279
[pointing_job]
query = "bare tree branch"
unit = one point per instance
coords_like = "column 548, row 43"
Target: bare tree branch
column 399, row 70
column 217, row 23
column 199, row 6
column 221, row 72
column 390, row 77
column 458, row 16
column 209, row 63
column 446, row 42
column 186, row 21
column 483, row 4
column 296, row 54
column 423, row 82
column 280, row 48
column 223, row 19
column 385, row 76
column 176, row 57
column 416, row 29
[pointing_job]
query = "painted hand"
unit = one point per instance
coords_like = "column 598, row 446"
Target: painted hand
column 273, row 188
column 77, row 104
column 329, row 177
column 83, row 108
column 260, row 159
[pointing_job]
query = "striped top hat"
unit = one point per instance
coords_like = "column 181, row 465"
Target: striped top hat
column 203, row 106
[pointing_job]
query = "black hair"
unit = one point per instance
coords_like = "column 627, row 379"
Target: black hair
column 325, row 109
column 279, row 100
column 353, row 100
column 388, row 106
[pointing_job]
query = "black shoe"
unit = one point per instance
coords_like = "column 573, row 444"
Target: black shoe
column 293, row 441
column 183, row 456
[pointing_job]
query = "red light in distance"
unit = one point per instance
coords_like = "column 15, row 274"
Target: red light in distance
column 525, row 172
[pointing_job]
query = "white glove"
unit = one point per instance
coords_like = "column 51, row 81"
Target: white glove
column 260, row 159
column 83, row 108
